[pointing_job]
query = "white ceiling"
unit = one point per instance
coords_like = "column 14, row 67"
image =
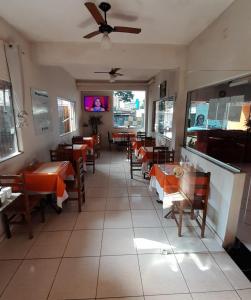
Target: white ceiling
column 162, row 21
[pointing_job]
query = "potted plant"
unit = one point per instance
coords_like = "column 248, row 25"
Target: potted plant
column 94, row 122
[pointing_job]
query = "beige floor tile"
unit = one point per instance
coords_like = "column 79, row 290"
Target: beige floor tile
column 49, row 244
column 63, row 221
column 94, row 204
column 16, row 247
column 90, row 220
column 118, row 192
column 227, row 295
column 138, row 191
column 76, row 279
column 188, row 242
column 170, row 297
column 151, row 240
column 126, row 298
column 202, row 274
column 96, row 192
column 141, row 202
column 84, row 243
column 117, row 242
column 118, row 219
column 33, row 280
column 232, row 271
column 245, row 294
column 7, row 270
column 145, row 218
column 117, row 203
column 119, row 277
column 161, row 275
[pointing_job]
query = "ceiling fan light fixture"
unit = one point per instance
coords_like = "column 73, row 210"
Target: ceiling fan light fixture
column 106, row 43
column 112, row 78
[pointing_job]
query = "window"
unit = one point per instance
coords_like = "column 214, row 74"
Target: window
column 66, row 111
column 129, row 109
column 218, row 121
column 8, row 135
column 164, row 117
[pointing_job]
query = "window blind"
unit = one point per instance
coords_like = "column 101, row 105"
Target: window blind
column 4, row 74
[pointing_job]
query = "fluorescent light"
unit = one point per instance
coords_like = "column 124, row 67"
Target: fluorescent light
column 239, row 82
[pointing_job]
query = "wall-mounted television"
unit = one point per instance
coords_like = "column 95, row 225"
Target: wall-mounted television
column 96, row 103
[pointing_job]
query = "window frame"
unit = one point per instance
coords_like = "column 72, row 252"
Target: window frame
column 7, row 85
column 129, row 113
column 73, row 118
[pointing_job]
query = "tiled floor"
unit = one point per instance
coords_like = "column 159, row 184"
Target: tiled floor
column 118, row 247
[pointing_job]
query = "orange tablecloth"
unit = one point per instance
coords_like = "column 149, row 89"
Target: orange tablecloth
column 49, row 178
column 146, row 154
column 123, row 136
column 78, row 151
column 137, row 144
column 90, row 142
column 164, row 175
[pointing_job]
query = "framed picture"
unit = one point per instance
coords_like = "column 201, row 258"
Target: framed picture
column 162, row 89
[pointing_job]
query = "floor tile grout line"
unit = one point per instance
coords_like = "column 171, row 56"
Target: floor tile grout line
column 9, row 281
column 61, row 260
column 99, row 262
column 20, row 264
column 137, row 254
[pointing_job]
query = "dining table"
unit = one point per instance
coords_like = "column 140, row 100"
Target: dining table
column 89, row 141
column 48, row 178
column 146, row 156
column 123, row 136
column 79, row 150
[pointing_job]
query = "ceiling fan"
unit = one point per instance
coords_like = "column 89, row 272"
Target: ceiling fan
column 113, row 73
column 104, row 27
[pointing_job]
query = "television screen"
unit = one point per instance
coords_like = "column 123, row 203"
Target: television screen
column 96, row 103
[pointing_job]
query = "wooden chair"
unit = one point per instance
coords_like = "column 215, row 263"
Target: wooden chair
column 78, row 185
column 141, row 135
column 77, row 140
column 110, row 140
column 22, row 205
column 135, row 163
column 193, row 193
column 149, row 142
column 90, row 160
column 62, row 154
column 162, row 155
column 97, row 146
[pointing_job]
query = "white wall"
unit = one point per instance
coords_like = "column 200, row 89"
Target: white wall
column 57, row 83
column 226, row 189
column 222, row 51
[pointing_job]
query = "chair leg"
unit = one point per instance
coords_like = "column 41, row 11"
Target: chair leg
column 6, row 225
column 29, row 225
column 203, row 224
column 180, row 218
column 93, row 167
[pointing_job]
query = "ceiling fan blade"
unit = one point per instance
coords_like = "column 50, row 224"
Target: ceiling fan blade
column 102, row 72
column 92, row 34
column 114, row 70
column 95, row 12
column 119, row 74
column 126, row 29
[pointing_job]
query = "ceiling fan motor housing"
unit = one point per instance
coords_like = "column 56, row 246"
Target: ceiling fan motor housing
column 105, row 28
column 104, row 6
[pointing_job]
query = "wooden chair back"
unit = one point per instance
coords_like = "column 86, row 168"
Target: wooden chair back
column 149, row 142
column 162, row 155
column 195, row 185
column 141, row 135
column 77, row 140
column 16, row 182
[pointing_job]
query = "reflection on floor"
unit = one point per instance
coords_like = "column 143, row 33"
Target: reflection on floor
column 119, row 246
